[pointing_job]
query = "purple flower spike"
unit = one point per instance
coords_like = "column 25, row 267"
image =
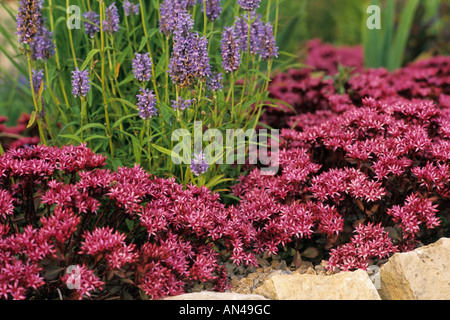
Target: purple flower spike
column 146, row 103
column 42, row 46
column 181, row 104
column 199, row 164
column 91, row 27
column 81, row 83
column 249, row 5
column 268, row 48
column 130, row 8
column 231, row 56
column 256, row 32
column 213, row 8
column 142, row 67
column 28, row 19
column 111, row 23
column 171, row 12
column 189, row 60
column 37, row 77
column 214, row 81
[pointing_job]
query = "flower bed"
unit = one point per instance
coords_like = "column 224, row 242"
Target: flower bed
column 363, row 161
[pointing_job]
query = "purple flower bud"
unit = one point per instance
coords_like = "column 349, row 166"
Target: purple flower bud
column 112, row 20
column 213, row 8
column 231, row 56
column 92, row 25
column 146, row 103
column 249, row 5
column 81, row 83
column 181, row 104
column 199, row 164
column 142, row 67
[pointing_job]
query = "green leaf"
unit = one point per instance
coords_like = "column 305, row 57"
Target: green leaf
column 143, row 42
column 116, row 163
column 71, row 137
column 164, row 150
column 258, row 72
column 89, row 57
column 128, row 79
column 130, row 224
column 121, row 119
column 136, row 149
column 95, row 136
column 32, row 119
column 131, row 105
column 90, row 125
column 288, row 54
column 217, row 180
column 397, row 49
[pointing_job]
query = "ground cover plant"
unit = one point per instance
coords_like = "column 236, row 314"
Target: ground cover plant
column 366, row 150
column 92, row 207
column 125, row 232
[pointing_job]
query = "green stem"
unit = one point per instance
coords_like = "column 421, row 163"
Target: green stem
column 36, row 108
column 247, row 58
column 58, row 64
column 141, row 6
column 71, row 38
column 82, row 115
column 205, row 18
column 166, row 98
column 105, row 101
column 149, row 145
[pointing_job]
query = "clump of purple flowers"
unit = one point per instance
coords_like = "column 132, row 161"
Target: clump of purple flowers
column 92, row 25
column 199, row 165
column 129, row 8
column 81, row 83
column 213, row 8
column 146, row 103
column 142, row 66
column 231, row 56
column 249, row 5
column 112, row 20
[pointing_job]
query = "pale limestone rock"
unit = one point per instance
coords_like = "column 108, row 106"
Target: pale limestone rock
column 421, row 274
column 354, row 285
column 210, row 295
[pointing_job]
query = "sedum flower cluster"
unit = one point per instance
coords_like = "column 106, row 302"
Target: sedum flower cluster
column 378, row 155
column 60, row 208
